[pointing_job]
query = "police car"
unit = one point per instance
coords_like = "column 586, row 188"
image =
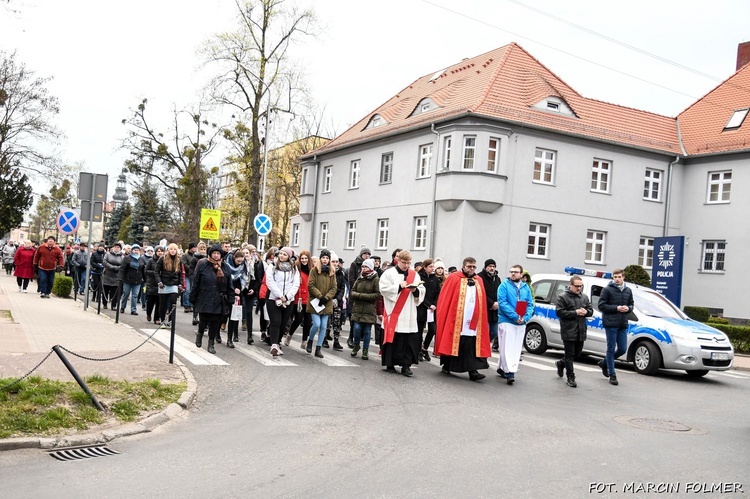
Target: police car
column 660, row 335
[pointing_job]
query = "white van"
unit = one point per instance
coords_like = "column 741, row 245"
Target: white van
column 660, row 335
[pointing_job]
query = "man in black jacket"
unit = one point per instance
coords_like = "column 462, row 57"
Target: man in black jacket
column 491, row 281
column 132, row 274
column 615, row 304
column 573, row 306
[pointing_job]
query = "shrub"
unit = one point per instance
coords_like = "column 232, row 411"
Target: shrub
column 718, row 320
column 637, row 275
column 738, row 335
column 62, row 286
column 699, row 314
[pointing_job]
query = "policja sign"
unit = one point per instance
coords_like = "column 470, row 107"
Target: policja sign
column 210, row 224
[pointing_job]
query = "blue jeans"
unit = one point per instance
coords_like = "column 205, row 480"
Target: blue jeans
column 319, row 323
column 616, row 337
column 186, row 294
column 361, row 329
column 493, row 331
column 131, row 289
column 46, row 279
column 81, row 279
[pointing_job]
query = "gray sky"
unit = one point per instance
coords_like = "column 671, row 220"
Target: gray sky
column 105, row 56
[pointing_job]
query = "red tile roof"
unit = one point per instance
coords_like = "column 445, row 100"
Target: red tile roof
column 504, row 84
column 702, row 124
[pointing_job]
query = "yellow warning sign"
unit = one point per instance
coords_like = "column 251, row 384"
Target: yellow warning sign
column 210, row 224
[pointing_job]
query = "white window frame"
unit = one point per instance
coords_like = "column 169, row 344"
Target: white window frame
column 351, row 234
column 381, row 241
column 386, row 168
column 447, row 146
column 493, row 154
column 425, row 158
column 469, row 152
column 596, row 246
column 601, row 173
column 424, row 107
column 323, row 235
column 295, row 234
column 544, row 165
column 538, row 242
column 327, row 179
column 713, row 253
column 722, row 181
column 736, row 120
column 303, row 181
column 646, row 252
column 420, row 233
column 652, row 184
column 354, row 174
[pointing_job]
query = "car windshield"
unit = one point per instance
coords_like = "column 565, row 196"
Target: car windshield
column 654, row 304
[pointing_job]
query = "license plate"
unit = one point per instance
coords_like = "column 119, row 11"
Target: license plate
column 719, row 356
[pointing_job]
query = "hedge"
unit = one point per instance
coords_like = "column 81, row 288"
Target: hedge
column 738, row 335
column 62, row 286
column 699, row 314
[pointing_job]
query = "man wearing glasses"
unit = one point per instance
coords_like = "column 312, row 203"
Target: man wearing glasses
column 615, row 304
column 515, row 308
column 573, row 306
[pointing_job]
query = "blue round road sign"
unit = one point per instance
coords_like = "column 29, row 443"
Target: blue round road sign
column 262, row 224
column 67, row 221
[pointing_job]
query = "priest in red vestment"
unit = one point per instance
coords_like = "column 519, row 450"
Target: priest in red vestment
column 463, row 335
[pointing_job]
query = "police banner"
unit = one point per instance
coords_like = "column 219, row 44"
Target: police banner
column 667, row 267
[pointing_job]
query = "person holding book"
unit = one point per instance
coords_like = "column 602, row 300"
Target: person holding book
column 515, row 308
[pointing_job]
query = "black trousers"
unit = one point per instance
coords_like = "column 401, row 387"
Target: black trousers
column 430, row 333
column 213, row 323
column 572, row 350
column 152, row 306
column 302, row 318
column 23, row 281
column 278, row 316
column 166, row 304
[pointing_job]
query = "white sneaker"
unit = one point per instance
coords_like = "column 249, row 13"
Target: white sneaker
column 19, row 289
column 25, row 291
column 274, row 350
column 281, row 352
column 287, row 339
column 303, row 345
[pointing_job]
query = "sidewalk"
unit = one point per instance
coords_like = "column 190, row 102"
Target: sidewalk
column 35, row 325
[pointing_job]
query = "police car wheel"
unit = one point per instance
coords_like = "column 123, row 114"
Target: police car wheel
column 647, row 358
column 699, row 373
column 535, row 340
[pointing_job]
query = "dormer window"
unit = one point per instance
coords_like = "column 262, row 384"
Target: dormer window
column 424, row 106
column 376, row 121
column 738, row 117
column 553, row 106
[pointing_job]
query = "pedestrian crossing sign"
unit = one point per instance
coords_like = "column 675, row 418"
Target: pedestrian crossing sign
column 210, row 224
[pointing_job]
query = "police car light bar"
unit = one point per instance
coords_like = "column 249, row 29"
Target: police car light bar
column 588, row 272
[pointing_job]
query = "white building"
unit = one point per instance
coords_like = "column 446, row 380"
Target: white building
column 497, row 157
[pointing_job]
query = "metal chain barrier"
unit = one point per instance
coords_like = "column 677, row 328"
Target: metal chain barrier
column 19, row 380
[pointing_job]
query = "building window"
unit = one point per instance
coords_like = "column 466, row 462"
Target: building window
column 425, row 107
column 327, row 177
column 713, row 256
column 470, row 146
column 719, row 186
column 493, row 153
column 646, row 252
column 447, row 142
column 323, row 234
column 386, row 168
column 553, row 106
column 382, row 238
column 652, row 185
column 538, row 240
column 354, row 175
column 351, row 234
column 600, row 176
column 735, row 121
column 420, row 233
column 295, row 234
column 544, row 166
column 303, row 182
column 425, row 157
column 595, row 242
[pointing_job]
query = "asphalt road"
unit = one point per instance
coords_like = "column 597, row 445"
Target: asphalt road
column 350, row 429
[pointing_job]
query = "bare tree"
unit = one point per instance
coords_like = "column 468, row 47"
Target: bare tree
column 253, row 62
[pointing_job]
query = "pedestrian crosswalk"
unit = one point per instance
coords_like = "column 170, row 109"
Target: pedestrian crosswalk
column 296, row 357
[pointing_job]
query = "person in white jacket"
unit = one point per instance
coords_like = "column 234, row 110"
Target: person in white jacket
column 282, row 280
column 402, row 291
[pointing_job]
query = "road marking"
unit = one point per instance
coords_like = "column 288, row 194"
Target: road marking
column 333, row 361
column 730, row 374
column 264, row 357
column 187, row 350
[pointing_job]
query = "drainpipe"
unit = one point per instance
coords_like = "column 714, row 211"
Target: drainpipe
column 315, row 204
column 433, row 224
column 668, row 201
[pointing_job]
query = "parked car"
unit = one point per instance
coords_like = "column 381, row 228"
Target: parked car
column 660, row 335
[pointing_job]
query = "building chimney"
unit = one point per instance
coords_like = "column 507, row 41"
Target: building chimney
column 743, row 54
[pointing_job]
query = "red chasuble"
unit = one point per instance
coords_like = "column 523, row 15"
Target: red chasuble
column 450, row 315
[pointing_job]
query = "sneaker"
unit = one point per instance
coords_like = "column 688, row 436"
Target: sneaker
column 281, row 352
column 365, row 355
column 19, row 289
column 355, row 351
column 603, row 366
column 613, row 380
column 325, row 344
column 350, row 343
column 571, row 382
column 287, row 339
column 303, row 344
column 274, row 350
column 560, row 368
column 25, row 290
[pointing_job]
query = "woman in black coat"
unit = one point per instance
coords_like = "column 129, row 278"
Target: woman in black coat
column 432, row 291
column 211, row 294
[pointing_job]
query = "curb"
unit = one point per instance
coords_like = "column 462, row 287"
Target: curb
column 169, row 413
